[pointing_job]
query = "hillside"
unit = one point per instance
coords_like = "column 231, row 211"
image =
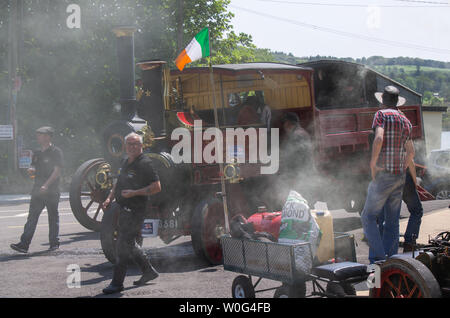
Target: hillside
column 429, row 78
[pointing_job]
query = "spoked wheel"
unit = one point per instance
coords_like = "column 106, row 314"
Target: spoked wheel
column 208, row 225
column 291, row 291
column 406, row 278
column 443, row 194
column 242, row 287
column 87, row 194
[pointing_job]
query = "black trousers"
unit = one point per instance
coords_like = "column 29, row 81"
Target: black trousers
column 127, row 250
column 37, row 204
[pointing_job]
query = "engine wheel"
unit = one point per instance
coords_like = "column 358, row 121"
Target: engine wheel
column 291, row 291
column 108, row 233
column 406, row 278
column 207, row 226
column 87, row 195
column 242, row 287
column 442, row 192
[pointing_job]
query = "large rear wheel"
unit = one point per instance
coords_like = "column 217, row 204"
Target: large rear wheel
column 207, row 226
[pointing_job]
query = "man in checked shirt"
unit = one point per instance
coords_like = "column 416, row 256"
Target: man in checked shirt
column 392, row 150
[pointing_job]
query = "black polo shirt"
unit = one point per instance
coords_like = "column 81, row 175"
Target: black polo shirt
column 136, row 175
column 45, row 162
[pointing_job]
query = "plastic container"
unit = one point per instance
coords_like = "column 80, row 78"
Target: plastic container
column 325, row 250
column 150, row 228
column 266, row 222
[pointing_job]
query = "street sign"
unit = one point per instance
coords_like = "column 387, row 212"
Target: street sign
column 6, row 132
column 25, row 157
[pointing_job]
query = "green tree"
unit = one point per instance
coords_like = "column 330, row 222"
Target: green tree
column 70, row 76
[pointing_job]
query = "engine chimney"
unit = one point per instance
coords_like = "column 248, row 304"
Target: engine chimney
column 151, row 105
column 125, row 54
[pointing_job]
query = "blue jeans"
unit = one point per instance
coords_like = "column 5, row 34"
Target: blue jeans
column 384, row 195
column 412, row 200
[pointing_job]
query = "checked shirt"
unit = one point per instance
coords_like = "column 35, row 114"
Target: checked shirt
column 397, row 130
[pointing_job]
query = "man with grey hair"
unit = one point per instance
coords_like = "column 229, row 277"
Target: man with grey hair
column 136, row 182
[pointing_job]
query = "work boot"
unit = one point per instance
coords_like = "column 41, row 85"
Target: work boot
column 112, row 289
column 53, row 248
column 149, row 275
column 19, row 247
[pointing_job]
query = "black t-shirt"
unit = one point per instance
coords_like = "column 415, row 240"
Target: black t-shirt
column 134, row 176
column 44, row 163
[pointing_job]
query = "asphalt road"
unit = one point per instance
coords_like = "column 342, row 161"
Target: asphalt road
column 182, row 275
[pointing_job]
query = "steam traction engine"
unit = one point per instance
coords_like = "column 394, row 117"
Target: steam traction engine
column 334, row 100
column 191, row 200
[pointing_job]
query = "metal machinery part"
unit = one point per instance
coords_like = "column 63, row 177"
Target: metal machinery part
column 425, row 276
column 232, row 172
column 104, row 177
column 436, row 257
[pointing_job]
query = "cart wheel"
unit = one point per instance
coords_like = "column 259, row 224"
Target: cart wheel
column 242, row 287
column 406, row 278
column 341, row 289
column 291, row 291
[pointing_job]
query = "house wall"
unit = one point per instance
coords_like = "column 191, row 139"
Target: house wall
column 432, row 121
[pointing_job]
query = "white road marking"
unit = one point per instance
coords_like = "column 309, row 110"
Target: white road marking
column 21, row 226
column 26, row 215
column 26, row 210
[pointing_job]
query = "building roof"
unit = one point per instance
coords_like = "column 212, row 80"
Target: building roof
column 232, row 68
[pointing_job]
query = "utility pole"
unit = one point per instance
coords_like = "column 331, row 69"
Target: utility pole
column 15, row 32
column 180, row 29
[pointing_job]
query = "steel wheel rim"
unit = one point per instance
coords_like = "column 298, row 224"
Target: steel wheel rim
column 395, row 283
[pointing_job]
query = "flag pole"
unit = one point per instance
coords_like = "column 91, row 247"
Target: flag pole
column 216, row 121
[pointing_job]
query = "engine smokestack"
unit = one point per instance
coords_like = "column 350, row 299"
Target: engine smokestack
column 125, row 54
column 151, row 106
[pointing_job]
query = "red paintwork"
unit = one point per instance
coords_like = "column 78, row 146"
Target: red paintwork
column 266, row 222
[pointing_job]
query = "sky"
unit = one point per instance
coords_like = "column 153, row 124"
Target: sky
column 347, row 28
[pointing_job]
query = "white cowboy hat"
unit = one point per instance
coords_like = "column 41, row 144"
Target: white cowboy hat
column 390, row 93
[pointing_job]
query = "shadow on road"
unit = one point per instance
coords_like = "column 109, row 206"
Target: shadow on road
column 347, row 224
column 79, row 237
column 178, row 258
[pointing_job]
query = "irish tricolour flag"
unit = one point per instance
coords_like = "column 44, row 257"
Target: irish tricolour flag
column 197, row 48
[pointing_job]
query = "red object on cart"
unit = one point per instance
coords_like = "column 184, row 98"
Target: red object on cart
column 266, row 222
column 424, row 195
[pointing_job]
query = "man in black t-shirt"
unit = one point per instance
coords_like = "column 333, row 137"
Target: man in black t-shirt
column 46, row 166
column 137, row 180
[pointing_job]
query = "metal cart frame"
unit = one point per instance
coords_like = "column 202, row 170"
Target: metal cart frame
column 290, row 264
